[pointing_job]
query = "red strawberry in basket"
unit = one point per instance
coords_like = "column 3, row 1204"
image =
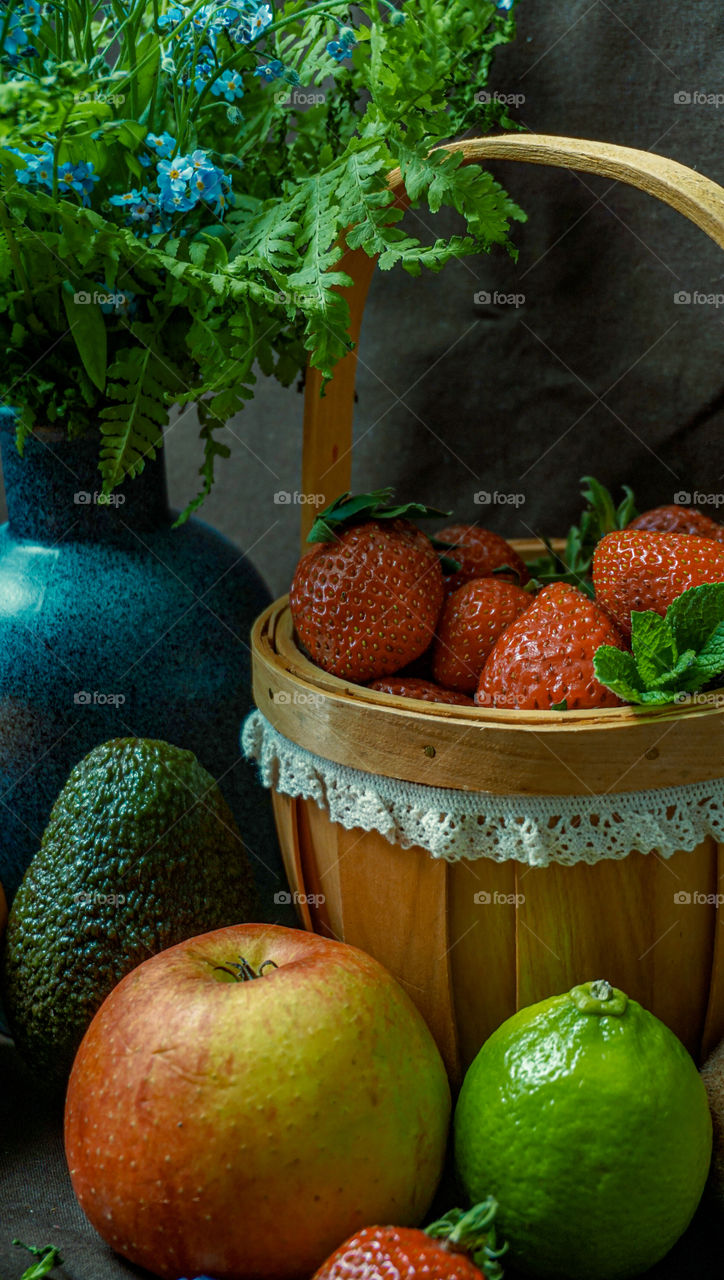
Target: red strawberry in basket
column 479, row 552
column 545, row 658
column 366, row 598
column 471, row 620
column 412, row 687
column 675, row 519
column 442, row 1252
column 638, row 570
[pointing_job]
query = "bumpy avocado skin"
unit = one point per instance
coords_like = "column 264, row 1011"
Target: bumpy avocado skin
column 140, row 852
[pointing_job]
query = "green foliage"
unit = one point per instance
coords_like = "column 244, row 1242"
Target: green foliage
column 672, row 657
column 48, row 1257
column 350, row 509
column 601, row 516
column 210, row 306
column 140, row 388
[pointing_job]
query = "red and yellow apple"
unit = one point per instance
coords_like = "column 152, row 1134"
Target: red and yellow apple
column 244, row 1101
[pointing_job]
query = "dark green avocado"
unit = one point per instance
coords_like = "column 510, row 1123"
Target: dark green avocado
column 140, row 852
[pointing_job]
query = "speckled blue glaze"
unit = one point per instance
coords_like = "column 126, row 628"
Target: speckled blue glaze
column 112, row 623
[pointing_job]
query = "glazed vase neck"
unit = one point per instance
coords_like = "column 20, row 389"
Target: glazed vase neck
column 54, row 492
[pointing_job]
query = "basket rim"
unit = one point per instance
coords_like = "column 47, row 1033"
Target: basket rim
column 306, row 672
column 494, row 750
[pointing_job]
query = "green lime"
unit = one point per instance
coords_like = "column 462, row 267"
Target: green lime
column 586, row 1119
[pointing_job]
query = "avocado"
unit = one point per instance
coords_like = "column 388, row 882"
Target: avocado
column 140, row 852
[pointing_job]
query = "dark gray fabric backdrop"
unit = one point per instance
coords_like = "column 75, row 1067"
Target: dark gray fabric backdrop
column 598, row 370
column 455, row 399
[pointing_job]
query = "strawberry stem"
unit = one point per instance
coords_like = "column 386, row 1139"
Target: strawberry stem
column 472, row 1232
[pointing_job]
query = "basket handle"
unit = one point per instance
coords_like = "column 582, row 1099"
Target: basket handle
column 327, row 438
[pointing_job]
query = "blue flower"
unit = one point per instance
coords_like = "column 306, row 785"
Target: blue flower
column 203, row 73
column 505, row 5
column 143, row 213
column 34, row 10
column 209, row 184
column 206, row 186
column 132, row 197
column 172, row 17
column 77, row 177
column 261, row 20
column 162, row 143
column 342, row 47
column 199, row 160
column 177, row 201
column 173, row 175
column 211, row 19
column 120, row 302
column 224, row 197
column 273, row 70
column 228, row 85
column 16, row 43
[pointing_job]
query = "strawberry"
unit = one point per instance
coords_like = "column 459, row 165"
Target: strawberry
column 675, row 519
column 471, row 620
column 442, row 1252
column 545, row 658
column 366, row 598
column 639, row 570
column 412, row 687
column 479, row 552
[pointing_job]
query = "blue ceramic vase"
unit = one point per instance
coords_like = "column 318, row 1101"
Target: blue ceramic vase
column 115, row 624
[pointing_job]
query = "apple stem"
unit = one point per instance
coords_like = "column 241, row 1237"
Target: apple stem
column 243, row 971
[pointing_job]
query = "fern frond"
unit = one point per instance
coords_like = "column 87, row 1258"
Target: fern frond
column 141, row 385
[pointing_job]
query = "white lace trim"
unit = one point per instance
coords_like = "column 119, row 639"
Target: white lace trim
column 451, row 824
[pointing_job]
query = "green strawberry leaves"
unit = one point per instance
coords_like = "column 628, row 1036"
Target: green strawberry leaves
column 601, row 516
column 670, row 657
column 351, row 509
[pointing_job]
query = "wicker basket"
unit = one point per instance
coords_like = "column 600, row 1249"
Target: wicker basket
column 417, row 914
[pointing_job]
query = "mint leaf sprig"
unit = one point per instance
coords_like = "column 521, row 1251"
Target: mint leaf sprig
column 671, row 657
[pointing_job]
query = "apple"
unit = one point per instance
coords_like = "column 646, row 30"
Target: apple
column 245, row 1101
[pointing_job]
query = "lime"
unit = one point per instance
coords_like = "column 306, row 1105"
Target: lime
column 586, row 1119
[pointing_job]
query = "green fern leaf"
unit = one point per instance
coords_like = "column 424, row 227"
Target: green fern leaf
column 132, row 427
